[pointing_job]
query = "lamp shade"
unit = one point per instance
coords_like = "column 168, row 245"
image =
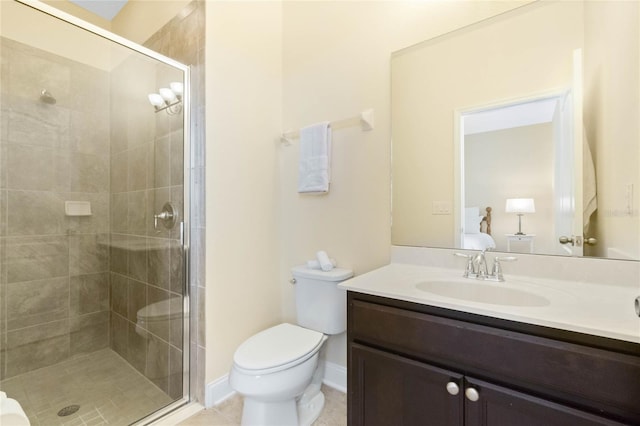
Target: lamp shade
column 156, row 100
column 167, row 94
column 520, row 205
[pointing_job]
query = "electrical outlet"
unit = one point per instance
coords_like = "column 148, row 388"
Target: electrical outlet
column 441, row 207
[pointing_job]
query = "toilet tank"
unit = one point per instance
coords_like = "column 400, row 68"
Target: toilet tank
column 320, row 304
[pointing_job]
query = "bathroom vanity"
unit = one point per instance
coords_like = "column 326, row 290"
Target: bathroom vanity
column 419, row 357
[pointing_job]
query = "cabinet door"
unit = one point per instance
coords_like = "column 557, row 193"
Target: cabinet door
column 385, row 389
column 498, row 406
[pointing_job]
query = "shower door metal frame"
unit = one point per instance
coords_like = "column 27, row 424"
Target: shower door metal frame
column 185, row 224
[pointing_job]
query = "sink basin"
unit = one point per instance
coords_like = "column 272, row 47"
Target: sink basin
column 482, row 292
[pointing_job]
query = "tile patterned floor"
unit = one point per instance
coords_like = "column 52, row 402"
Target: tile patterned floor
column 108, row 390
column 229, row 412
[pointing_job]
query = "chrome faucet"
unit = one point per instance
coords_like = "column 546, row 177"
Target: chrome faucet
column 477, row 266
column 480, row 263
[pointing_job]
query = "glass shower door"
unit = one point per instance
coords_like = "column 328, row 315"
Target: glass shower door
column 92, row 267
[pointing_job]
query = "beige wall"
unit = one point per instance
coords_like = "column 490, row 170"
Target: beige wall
column 244, row 98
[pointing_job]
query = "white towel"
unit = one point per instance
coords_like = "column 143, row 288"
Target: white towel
column 315, row 158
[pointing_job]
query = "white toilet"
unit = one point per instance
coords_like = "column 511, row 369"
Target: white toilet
column 277, row 369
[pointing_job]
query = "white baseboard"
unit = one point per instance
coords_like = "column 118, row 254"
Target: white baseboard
column 218, row 391
column 335, row 376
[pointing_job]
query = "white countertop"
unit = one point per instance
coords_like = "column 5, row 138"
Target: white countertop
column 595, row 309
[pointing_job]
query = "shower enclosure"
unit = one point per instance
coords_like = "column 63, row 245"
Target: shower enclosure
column 93, row 295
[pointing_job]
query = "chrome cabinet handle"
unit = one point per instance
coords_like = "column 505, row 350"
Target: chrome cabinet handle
column 472, row 394
column 452, row 388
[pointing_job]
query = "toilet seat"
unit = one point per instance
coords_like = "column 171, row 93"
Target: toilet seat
column 277, row 348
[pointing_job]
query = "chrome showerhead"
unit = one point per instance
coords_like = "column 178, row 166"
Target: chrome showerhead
column 47, row 97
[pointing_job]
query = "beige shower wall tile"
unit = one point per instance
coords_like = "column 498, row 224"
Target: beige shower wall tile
column 34, row 123
column 35, row 347
column 137, row 348
column 89, row 333
column 137, row 258
column 88, row 173
column 119, row 295
column 176, row 328
column 177, row 267
column 137, row 168
column 3, row 212
column 3, row 157
column 119, row 333
column 37, row 168
column 157, row 365
column 36, row 302
column 137, row 212
column 118, row 259
column 177, row 157
column 35, row 213
column 34, row 258
column 92, row 94
column 89, row 293
column 119, row 172
column 32, row 70
column 137, row 299
column 88, row 254
column 158, row 328
column 89, row 131
column 159, row 262
column 175, row 372
column 161, row 164
column 119, row 208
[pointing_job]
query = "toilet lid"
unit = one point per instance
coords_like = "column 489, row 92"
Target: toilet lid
column 276, row 346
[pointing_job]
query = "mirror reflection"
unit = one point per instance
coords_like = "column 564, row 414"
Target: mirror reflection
column 525, row 139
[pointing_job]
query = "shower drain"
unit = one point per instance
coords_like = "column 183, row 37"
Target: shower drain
column 67, row 411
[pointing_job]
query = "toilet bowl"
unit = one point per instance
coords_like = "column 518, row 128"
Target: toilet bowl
column 277, row 370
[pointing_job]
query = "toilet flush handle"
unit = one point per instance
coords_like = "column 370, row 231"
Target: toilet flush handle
column 292, row 281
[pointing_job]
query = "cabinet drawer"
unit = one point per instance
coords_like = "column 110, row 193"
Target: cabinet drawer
column 606, row 381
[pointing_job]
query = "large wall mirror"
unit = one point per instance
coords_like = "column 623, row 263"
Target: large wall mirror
column 521, row 133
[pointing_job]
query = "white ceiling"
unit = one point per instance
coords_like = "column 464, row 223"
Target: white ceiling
column 519, row 115
column 107, row 9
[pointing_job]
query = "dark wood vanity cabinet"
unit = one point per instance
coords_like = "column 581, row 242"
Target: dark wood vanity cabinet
column 412, row 364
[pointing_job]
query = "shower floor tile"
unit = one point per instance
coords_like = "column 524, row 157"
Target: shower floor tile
column 108, row 390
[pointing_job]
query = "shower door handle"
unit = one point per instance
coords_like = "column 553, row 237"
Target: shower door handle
column 168, row 216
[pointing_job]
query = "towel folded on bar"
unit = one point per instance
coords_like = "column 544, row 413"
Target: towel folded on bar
column 314, row 173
